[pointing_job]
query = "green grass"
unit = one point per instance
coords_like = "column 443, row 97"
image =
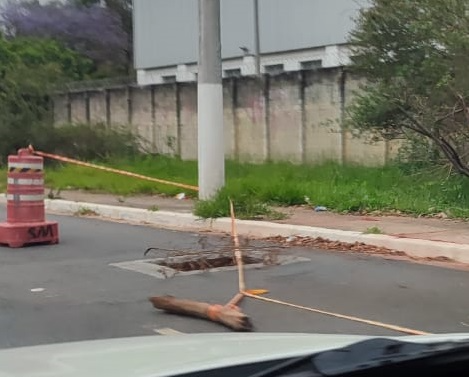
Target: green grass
column 84, row 211
column 373, row 230
column 341, row 189
column 78, row 177
column 255, row 188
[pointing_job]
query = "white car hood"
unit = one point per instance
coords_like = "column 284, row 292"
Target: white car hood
column 153, row 356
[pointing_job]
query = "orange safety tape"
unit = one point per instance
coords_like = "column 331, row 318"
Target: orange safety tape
column 342, row 316
column 254, row 293
column 111, row 170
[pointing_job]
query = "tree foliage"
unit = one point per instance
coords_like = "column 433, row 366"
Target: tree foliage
column 123, row 9
column 94, row 31
column 28, row 69
column 414, row 56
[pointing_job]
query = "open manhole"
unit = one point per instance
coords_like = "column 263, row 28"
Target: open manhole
column 205, row 263
column 198, row 263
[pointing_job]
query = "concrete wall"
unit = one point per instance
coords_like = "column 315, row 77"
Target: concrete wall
column 166, row 119
column 285, row 127
column 250, row 120
column 229, row 119
column 322, row 113
column 141, row 116
column 97, row 106
column 188, row 121
column 78, row 106
column 61, row 109
column 119, row 107
column 360, row 150
column 293, row 116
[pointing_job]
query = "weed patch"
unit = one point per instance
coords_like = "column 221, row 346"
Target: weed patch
column 256, row 188
column 373, row 230
column 84, row 211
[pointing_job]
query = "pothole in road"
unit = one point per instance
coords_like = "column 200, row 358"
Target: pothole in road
column 198, row 263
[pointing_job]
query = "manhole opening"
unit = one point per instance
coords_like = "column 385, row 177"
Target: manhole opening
column 203, row 263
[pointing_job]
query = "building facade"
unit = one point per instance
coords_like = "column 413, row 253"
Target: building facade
column 293, row 35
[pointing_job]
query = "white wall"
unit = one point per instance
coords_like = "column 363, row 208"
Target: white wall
column 330, row 56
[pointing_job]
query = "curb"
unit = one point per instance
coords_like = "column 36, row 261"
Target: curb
column 184, row 221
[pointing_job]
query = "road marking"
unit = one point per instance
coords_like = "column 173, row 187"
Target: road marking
column 167, row 331
column 37, row 290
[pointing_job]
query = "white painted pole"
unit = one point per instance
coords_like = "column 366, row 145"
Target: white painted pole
column 257, row 42
column 211, row 143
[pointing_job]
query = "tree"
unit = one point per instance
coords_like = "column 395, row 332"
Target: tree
column 123, row 8
column 39, row 53
column 28, row 69
column 94, row 31
column 414, row 56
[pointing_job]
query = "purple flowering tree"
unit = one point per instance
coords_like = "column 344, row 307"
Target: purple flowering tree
column 96, row 32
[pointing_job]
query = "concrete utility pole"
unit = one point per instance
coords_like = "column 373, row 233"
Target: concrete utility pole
column 211, row 144
column 257, row 43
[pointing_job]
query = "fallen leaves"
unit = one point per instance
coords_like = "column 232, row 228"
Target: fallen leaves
column 325, row 244
column 356, row 247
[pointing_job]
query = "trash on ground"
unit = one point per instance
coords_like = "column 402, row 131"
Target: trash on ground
column 320, row 209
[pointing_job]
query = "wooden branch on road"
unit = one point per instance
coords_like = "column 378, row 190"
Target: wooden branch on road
column 228, row 315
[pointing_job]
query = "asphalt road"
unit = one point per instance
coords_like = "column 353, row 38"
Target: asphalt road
column 70, row 292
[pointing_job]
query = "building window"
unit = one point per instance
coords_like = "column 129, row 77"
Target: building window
column 311, row 64
column 274, row 69
column 169, row 79
column 236, row 72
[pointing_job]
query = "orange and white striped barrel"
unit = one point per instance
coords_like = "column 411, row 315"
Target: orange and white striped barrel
column 25, row 189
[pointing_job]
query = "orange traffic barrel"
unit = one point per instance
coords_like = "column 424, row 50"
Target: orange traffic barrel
column 25, row 188
column 26, row 223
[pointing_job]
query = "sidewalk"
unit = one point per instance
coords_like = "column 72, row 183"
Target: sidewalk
column 431, row 229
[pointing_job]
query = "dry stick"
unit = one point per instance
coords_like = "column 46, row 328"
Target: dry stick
column 237, row 251
column 235, row 300
column 342, row 316
column 228, row 316
column 243, row 292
